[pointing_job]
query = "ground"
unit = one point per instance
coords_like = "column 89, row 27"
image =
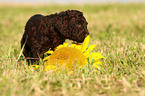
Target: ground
column 118, row 30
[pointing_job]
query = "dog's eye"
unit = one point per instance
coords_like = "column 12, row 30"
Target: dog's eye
column 78, row 25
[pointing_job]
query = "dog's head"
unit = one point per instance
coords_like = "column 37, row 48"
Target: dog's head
column 72, row 25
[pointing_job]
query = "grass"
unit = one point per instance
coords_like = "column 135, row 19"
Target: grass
column 117, row 29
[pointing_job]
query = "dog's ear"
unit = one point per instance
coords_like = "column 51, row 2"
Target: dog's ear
column 62, row 25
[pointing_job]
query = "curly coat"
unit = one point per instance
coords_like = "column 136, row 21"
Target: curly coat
column 45, row 32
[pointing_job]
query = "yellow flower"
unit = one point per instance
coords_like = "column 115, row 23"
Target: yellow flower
column 69, row 57
column 32, row 67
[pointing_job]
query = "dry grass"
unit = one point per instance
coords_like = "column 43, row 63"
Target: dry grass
column 117, row 29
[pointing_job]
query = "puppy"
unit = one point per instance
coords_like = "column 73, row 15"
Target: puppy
column 45, row 32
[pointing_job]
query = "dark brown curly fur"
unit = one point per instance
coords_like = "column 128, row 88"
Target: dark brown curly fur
column 45, row 32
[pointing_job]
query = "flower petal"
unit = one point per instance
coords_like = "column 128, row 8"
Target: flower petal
column 78, row 47
column 34, row 66
column 73, row 45
column 96, row 55
column 70, row 72
column 49, row 52
column 49, row 67
column 65, row 44
column 46, row 58
column 60, row 46
column 98, row 62
column 91, row 47
column 97, row 66
column 85, row 43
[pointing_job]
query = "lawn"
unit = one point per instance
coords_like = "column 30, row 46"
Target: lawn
column 118, row 30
